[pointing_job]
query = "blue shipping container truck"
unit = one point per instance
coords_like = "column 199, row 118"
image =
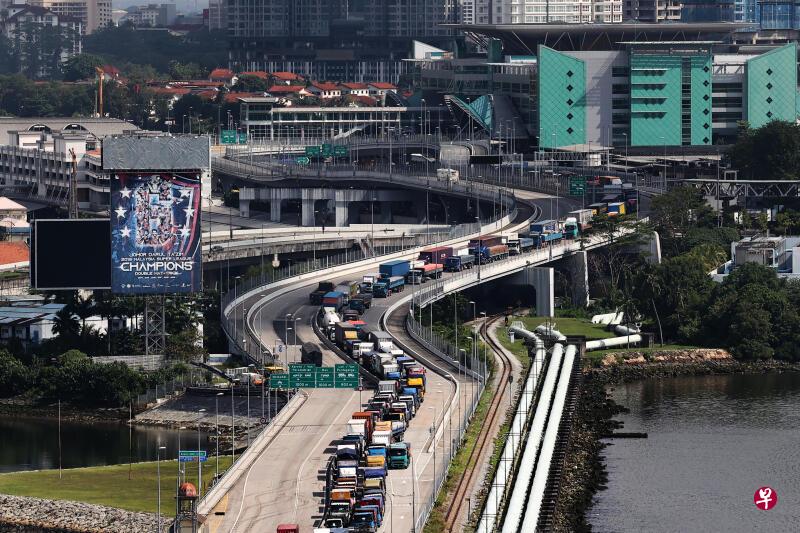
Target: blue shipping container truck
column 525, row 244
column 543, row 226
column 457, row 263
column 542, row 239
column 398, row 267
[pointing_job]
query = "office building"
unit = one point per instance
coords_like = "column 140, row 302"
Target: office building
column 562, row 85
column 333, row 40
column 653, row 10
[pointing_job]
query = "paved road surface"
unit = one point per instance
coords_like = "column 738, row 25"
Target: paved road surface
column 286, row 483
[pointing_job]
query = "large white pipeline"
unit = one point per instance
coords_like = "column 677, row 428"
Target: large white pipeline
column 630, row 336
column 516, row 503
column 534, row 504
column 488, row 519
column 548, row 331
column 607, row 318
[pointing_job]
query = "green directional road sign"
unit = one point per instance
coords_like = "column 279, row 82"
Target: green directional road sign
column 327, row 150
column 302, row 375
column 577, row 185
column 346, row 376
column 227, row 137
column 302, row 160
column 325, row 378
column 243, row 138
column 313, row 151
column 340, row 151
column 279, row 381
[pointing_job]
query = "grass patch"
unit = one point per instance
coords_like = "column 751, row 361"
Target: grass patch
column 569, row 326
column 109, row 485
column 516, row 347
column 436, row 521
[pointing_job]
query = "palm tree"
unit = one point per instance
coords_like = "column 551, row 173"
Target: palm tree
column 65, row 324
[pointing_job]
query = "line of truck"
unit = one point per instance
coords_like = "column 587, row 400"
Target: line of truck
column 373, row 443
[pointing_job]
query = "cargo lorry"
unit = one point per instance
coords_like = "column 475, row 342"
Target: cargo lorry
column 387, row 286
column 323, row 287
column 398, row 267
column 457, row 263
column 311, row 354
column 436, row 255
column 399, row 455
column 334, row 299
column 449, row 174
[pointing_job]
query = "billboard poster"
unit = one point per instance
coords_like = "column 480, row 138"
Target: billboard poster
column 155, row 233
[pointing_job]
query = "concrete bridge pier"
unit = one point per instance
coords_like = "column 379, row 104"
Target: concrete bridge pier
column 579, row 273
column 543, row 281
column 274, row 209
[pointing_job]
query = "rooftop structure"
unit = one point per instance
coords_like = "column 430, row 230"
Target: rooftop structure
column 779, row 253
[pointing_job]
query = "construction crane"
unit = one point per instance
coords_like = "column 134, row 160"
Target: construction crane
column 73, row 186
column 100, row 75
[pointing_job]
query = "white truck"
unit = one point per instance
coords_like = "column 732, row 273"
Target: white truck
column 449, row 174
column 357, row 427
column 387, row 386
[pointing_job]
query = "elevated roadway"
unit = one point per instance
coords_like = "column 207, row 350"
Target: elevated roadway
column 290, row 471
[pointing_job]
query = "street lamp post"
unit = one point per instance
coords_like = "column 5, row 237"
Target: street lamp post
column 179, row 453
column 158, row 481
column 216, row 402
column 199, row 462
column 233, row 425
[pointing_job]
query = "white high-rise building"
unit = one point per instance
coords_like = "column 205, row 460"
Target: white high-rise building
column 541, row 11
column 93, row 14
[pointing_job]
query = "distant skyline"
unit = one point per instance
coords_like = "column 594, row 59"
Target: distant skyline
column 182, row 6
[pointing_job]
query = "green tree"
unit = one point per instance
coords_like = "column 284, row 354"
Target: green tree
column 250, row 84
column 66, row 325
column 81, row 67
column 771, row 152
column 14, row 376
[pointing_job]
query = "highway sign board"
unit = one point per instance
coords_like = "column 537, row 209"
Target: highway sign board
column 297, row 368
column 313, row 151
column 279, row 381
column 577, row 185
column 302, row 160
column 192, row 456
column 340, row 151
column 227, row 137
column 325, row 379
column 346, row 376
column 327, row 150
column 302, row 375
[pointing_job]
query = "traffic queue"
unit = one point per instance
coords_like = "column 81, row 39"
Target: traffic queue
column 373, row 443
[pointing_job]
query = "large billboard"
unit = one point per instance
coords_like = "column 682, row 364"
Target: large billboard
column 70, row 254
column 155, row 232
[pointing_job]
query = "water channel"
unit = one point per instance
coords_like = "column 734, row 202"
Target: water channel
column 713, row 441
column 32, row 443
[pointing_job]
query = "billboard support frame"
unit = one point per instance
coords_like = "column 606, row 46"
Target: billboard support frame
column 155, row 328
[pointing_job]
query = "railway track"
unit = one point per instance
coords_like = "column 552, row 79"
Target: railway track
column 472, row 469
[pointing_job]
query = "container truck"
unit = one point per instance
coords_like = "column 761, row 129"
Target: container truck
column 571, row 229
column 543, row 226
column 367, row 281
column 361, row 303
column 387, row 286
column 391, row 371
column 333, row 299
column 436, row 255
column 544, row 239
column 323, row 287
column 398, row 267
column 449, row 174
column 487, row 254
column 525, row 244
column 311, row 354
column 583, row 217
column 487, row 240
column 389, row 386
column 514, row 247
column 343, row 332
column 457, row 263
column 418, row 384
column 616, row 209
column 598, row 208
column 399, row 455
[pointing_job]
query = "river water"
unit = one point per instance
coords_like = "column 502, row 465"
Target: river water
column 32, row 443
column 713, row 441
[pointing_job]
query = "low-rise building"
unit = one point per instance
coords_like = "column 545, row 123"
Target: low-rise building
column 324, row 90
column 29, row 323
column 779, row 253
column 36, row 163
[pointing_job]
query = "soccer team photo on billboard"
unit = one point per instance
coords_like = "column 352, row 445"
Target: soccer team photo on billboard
column 155, row 233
